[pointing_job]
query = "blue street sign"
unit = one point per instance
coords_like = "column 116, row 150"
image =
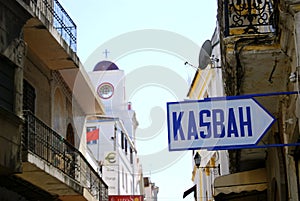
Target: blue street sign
column 218, row 123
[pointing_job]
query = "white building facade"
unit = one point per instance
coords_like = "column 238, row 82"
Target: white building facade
column 208, row 83
column 111, row 137
column 151, row 190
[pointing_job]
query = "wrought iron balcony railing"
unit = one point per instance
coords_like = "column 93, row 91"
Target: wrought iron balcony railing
column 42, row 141
column 58, row 18
column 250, row 16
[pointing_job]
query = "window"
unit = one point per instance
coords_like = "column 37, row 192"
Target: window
column 146, row 182
column 7, row 77
column 126, row 182
column 131, row 155
column 123, row 178
column 122, row 140
column 126, row 146
column 28, row 97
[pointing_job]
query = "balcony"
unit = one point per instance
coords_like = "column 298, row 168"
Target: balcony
column 253, row 61
column 54, row 165
column 57, row 17
column 252, row 56
column 50, row 33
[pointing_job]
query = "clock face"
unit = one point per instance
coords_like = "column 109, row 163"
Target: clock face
column 105, row 90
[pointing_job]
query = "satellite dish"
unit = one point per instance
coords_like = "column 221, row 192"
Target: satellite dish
column 205, row 54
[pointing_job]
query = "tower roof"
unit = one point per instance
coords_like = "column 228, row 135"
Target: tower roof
column 105, row 65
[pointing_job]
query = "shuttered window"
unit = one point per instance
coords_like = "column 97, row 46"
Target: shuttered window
column 28, row 97
column 7, row 74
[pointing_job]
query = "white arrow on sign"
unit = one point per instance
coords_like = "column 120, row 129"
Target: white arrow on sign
column 216, row 124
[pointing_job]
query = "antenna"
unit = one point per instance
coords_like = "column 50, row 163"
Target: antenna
column 205, row 54
column 187, row 63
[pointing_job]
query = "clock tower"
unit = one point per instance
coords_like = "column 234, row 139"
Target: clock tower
column 109, row 83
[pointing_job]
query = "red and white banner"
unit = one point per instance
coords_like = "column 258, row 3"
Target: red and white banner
column 92, row 135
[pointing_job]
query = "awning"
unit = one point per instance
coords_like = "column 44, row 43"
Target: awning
column 242, row 181
column 191, row 190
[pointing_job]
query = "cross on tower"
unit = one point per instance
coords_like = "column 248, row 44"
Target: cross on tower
column 106, row 53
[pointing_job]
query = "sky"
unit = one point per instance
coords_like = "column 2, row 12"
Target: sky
column 150, row 41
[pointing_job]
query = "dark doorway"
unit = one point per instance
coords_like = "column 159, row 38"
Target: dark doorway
column 70, row 135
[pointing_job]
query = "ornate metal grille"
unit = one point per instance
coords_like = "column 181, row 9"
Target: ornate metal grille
column 42, row 141
column 250, row 16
